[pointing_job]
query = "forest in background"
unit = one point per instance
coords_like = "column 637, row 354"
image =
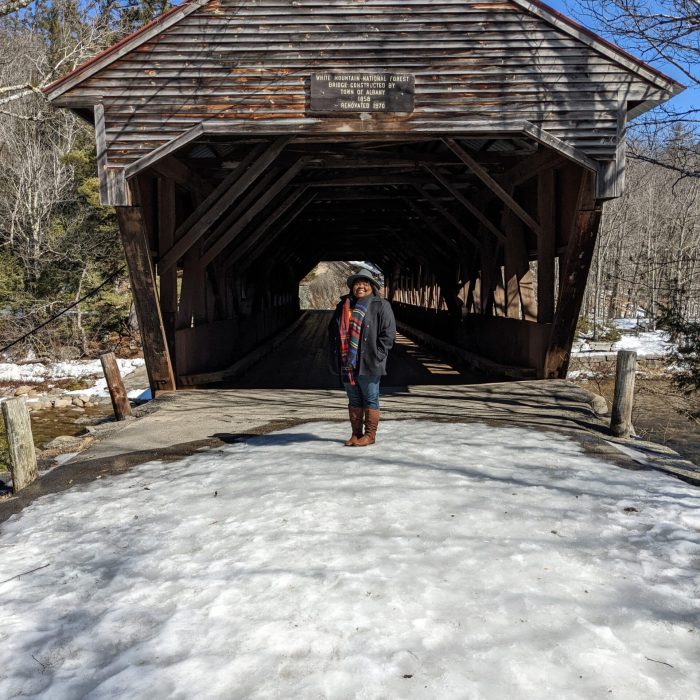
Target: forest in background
column 57, row 243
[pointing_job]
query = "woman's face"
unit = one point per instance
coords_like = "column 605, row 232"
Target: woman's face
column 361, row 288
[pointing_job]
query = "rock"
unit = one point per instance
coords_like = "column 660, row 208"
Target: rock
column 599, row 405
column 22, row 390
column 56, row 391
column 61, row 403
column 77, row 409
column 85, row 398
column 68, row 352
column 33, row 392
column 77, row 401
column 61, row 441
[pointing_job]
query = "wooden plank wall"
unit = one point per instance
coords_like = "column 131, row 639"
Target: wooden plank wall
column 233, row 60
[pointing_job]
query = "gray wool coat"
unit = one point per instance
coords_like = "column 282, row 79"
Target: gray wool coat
column 378, row 335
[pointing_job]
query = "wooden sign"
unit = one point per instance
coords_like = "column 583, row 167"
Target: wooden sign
column 362, row 92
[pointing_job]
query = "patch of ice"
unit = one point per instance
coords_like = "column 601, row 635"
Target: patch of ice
column 140, row 394
column 446, row 561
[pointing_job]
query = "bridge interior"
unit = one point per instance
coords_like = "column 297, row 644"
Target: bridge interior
column 470, row 231
column 301, row 362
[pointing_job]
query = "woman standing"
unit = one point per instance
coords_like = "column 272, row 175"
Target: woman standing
column 361, row 333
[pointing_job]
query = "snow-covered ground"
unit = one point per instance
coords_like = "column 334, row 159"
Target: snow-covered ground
column 37, row 372
column 646, row 343
column 447, row 561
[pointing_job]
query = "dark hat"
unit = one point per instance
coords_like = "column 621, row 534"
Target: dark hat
column 363, row 274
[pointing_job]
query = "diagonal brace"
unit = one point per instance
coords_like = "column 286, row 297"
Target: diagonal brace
column 481, row 173
column 198, row 223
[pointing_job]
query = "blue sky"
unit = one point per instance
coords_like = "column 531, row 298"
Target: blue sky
column 684, row 101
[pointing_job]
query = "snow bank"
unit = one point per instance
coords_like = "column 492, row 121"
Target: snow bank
column 447, row 561
column 646, row 343
column 37, row 372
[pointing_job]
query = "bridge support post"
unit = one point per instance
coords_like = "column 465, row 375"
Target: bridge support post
column 143, row 289
column 572, row 279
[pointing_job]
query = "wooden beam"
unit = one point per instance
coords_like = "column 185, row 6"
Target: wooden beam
column 519, row 282
column 546, row 245
column 166, row 149
column 255, row 208
column 178, row 172
column 481, row 173
column 571, row 153
column 434, row 229
column 242, row 248
column 274, row 237
column 512, row 288
column 191, row 308
column 573, row 279
column 167, row 278
column 367, row 180
column 611, row 176
column 252, row 195
column 488, row 256
column 143, row 289
column 101, row 152
column 527, row 168
column 476, row 212
column 433, row 201
column 220, row 199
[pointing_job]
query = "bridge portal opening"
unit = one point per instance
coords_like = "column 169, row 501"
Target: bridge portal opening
column 466, row 151
column 466, row 232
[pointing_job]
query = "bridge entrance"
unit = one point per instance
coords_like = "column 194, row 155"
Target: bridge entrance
column 465, row 147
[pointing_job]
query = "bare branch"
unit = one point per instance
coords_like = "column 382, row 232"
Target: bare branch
column 10, row 6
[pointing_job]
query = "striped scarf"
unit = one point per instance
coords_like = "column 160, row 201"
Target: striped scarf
column 351, row 320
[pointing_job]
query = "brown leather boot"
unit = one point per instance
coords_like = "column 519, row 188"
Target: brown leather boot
column 371, row 423
column 356, row 415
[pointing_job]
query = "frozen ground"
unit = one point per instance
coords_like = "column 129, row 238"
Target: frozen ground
column 447, row 561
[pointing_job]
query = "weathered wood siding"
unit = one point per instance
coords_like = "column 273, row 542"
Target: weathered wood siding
column 251, row 60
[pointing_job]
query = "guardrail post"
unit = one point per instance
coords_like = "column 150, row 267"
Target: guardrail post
column 621, row 416
column 18, row 426
column 117, row 392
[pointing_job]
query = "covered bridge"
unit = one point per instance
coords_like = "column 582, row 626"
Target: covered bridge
column 465, row 147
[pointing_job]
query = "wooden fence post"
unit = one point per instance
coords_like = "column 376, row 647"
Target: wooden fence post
column 621, row 418
column 18, row 426
column 117, row 392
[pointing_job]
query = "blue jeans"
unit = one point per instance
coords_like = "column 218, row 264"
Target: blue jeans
column 365, row 393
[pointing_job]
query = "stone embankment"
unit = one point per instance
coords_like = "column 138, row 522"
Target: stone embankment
column 602, row 364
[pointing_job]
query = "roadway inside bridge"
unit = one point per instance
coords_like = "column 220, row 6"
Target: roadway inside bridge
column 301, row 362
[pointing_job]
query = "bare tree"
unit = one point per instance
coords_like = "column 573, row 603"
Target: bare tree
column 663, row 33
column 10, row 6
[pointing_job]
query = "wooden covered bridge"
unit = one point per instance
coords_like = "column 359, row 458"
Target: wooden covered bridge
column 464, row 146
